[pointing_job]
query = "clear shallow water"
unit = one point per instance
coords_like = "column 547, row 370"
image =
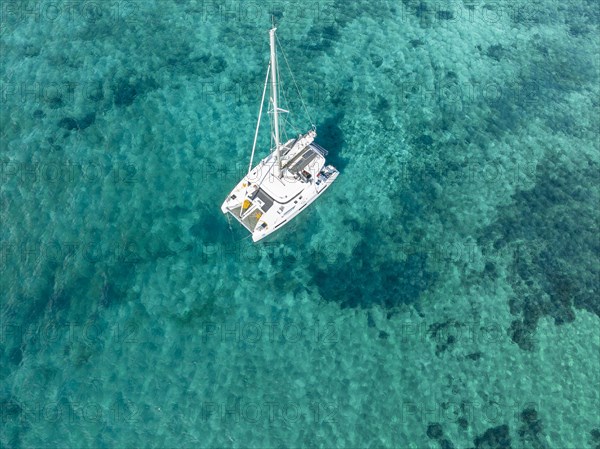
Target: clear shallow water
column 442, row 294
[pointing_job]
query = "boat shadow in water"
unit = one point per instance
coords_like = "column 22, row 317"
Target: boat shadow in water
column 331, row 137
column 375, row 281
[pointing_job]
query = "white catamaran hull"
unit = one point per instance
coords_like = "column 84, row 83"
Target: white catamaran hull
column 263, row 202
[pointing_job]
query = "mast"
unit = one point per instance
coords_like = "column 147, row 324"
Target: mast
column 274, row 98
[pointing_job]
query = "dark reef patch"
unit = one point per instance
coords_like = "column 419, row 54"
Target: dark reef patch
column 494, row 438
column 322, row 37
column 416, row 42
column 125, row 93
column 445, row 443
column 376, row 60
column 381, row 108
column 435, row 431
column 206, row 65
column 595, row 437
column 443, row 335
column 421, row 10
column 54, row 102
column 10, row 408
column 365, row 280
column 71, row 124
column 496, row 52
column 474, row 356
column 31, row 51
column 444, row 15
column 423, row 141
column 126, row 90
column 550, row 233
column 68, row 123
column 531, row 431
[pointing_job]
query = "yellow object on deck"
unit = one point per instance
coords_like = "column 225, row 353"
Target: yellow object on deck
column 246, row 204
column 258, row 215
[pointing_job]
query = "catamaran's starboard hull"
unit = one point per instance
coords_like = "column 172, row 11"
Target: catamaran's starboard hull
column 256, row 235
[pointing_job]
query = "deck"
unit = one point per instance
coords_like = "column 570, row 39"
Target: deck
column 302, row 160
column 265, row 198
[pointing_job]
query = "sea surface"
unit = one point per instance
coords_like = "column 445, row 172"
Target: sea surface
column 443, row 293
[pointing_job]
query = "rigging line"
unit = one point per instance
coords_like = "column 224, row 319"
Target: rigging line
column 271, row 131
column 279, row 95
column 296, row 84
column 299, row 96
column 278, row 91
column 244, row 238
column 229, row 223
column 288, row 117
column 262, row 102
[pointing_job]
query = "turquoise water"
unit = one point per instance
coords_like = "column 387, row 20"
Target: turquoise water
column 442, row 294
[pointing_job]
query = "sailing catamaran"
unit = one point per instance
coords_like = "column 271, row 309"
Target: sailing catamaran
column 291, row 177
